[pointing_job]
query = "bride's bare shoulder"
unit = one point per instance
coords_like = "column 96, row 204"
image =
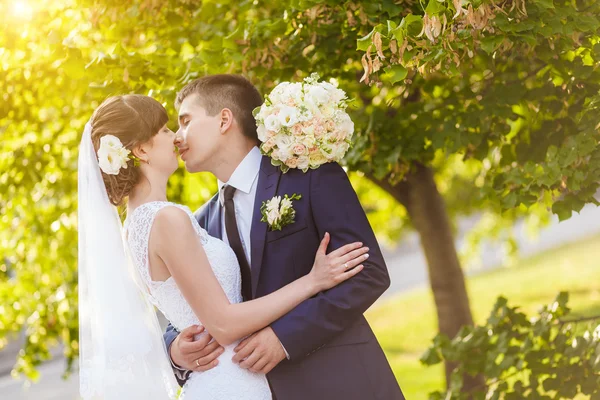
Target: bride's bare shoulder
column 171, row 219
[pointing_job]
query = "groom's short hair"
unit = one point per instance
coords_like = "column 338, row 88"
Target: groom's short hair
column 234, row 92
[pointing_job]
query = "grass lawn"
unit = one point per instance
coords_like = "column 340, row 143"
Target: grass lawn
column 406, row 323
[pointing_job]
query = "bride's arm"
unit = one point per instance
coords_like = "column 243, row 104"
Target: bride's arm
column 174, row 240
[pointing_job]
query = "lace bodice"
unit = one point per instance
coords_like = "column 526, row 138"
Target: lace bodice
column 227, row 381
column 165, row 295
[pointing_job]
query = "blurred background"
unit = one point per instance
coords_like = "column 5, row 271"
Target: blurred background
column 475, row 156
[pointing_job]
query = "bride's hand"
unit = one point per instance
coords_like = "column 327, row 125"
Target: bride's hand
column 334, row 268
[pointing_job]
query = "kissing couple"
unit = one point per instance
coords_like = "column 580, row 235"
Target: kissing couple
column 264, row 286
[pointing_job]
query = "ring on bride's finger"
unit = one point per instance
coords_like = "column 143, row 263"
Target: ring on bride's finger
column 198, row 362
column 346, row 265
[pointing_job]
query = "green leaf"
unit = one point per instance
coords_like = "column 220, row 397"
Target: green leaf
column 490, row 43
column 412, row 24
column 395, row 73
column 545, row 4
column 431, row 357
column 364, row 42
column 562, row 210
column 435, row 7
column 391, row 26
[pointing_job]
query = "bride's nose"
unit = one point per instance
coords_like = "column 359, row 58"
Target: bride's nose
column 178, row 140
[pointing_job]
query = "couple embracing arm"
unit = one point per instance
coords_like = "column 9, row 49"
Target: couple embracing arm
column 323, row 348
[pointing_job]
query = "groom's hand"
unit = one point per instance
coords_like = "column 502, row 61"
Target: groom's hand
column 260, row 352
column 195, row 355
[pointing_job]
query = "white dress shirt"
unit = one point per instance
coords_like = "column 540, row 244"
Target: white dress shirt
column 244, row 179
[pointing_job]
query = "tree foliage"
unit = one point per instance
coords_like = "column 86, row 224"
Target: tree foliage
column 504, row 109
column 550, row 356
column 513, row 84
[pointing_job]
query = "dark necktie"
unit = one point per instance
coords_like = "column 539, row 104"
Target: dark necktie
column 235, row 242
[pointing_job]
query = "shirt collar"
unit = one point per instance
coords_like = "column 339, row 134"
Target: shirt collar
column 245, row 174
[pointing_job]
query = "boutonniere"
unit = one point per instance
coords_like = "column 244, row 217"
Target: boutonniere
column 279, row 212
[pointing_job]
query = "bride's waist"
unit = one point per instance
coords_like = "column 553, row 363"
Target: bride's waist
column 227, row 367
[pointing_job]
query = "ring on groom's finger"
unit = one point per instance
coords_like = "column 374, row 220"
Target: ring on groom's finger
column 198, row 362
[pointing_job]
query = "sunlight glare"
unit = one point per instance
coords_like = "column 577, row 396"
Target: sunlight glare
column 22, row 9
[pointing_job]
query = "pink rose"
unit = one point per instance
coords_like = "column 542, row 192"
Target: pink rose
column 330, row 125
column 292, row 162
column 319, row 131
column 299, row 149
column 297, row 129
column 340, row 135
column 268, row 145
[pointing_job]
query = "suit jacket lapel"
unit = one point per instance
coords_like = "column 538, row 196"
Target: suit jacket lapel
column 214, row 227
column 268, row 181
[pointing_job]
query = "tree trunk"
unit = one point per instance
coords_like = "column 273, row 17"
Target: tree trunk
column 427, row 210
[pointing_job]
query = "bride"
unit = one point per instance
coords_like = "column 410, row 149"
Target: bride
column 162, row 257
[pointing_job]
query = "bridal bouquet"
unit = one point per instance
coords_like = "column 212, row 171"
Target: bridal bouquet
column 304, row 125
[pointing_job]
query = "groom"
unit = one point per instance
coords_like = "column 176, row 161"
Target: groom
column 324, row 348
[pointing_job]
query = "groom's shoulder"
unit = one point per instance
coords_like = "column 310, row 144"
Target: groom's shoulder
column 326, row 170
column 204, row 209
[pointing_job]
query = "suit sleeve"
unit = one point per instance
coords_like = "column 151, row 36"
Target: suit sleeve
column 335, row 209
column 180, row 374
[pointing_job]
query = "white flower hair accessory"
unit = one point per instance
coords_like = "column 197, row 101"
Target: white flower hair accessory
column 279, row 212
column 112, row 155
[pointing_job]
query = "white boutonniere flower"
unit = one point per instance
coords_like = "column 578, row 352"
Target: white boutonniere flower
column 279, row 212
column 112, row 155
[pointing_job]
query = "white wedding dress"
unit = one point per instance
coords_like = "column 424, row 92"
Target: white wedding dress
column 227, row 381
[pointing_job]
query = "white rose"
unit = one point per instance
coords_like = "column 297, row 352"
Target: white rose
column 327, row 111
column 317, row 158
column 288, row 116
column 110, row 142
column 305, row 115
column 281, row 88
column 312, row 107
column 263, row 112
column 294, row 91
column 286, row 205
column 273, row 204
column 284, row 149
column 272, row 123
column 303, row 163
column 112, row 156
column 345, row 123
column 272, row 216
column 339, row 151
column 308, row 129
column 335, row 95
column 284, row 142
column 262, row 133
column 309, row 141
column 328, row 85
column 318, row 94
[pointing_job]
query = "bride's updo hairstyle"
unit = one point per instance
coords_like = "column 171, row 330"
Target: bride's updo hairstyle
column 134, row 119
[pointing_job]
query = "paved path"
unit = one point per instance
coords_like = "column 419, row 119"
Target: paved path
column 407, row 269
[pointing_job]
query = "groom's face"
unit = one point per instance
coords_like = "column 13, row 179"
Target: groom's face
column 198, row 136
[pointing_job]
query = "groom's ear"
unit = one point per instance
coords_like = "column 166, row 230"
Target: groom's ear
column 226, row 120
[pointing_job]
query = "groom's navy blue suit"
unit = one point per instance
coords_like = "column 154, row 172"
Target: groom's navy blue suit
column 333, row 351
